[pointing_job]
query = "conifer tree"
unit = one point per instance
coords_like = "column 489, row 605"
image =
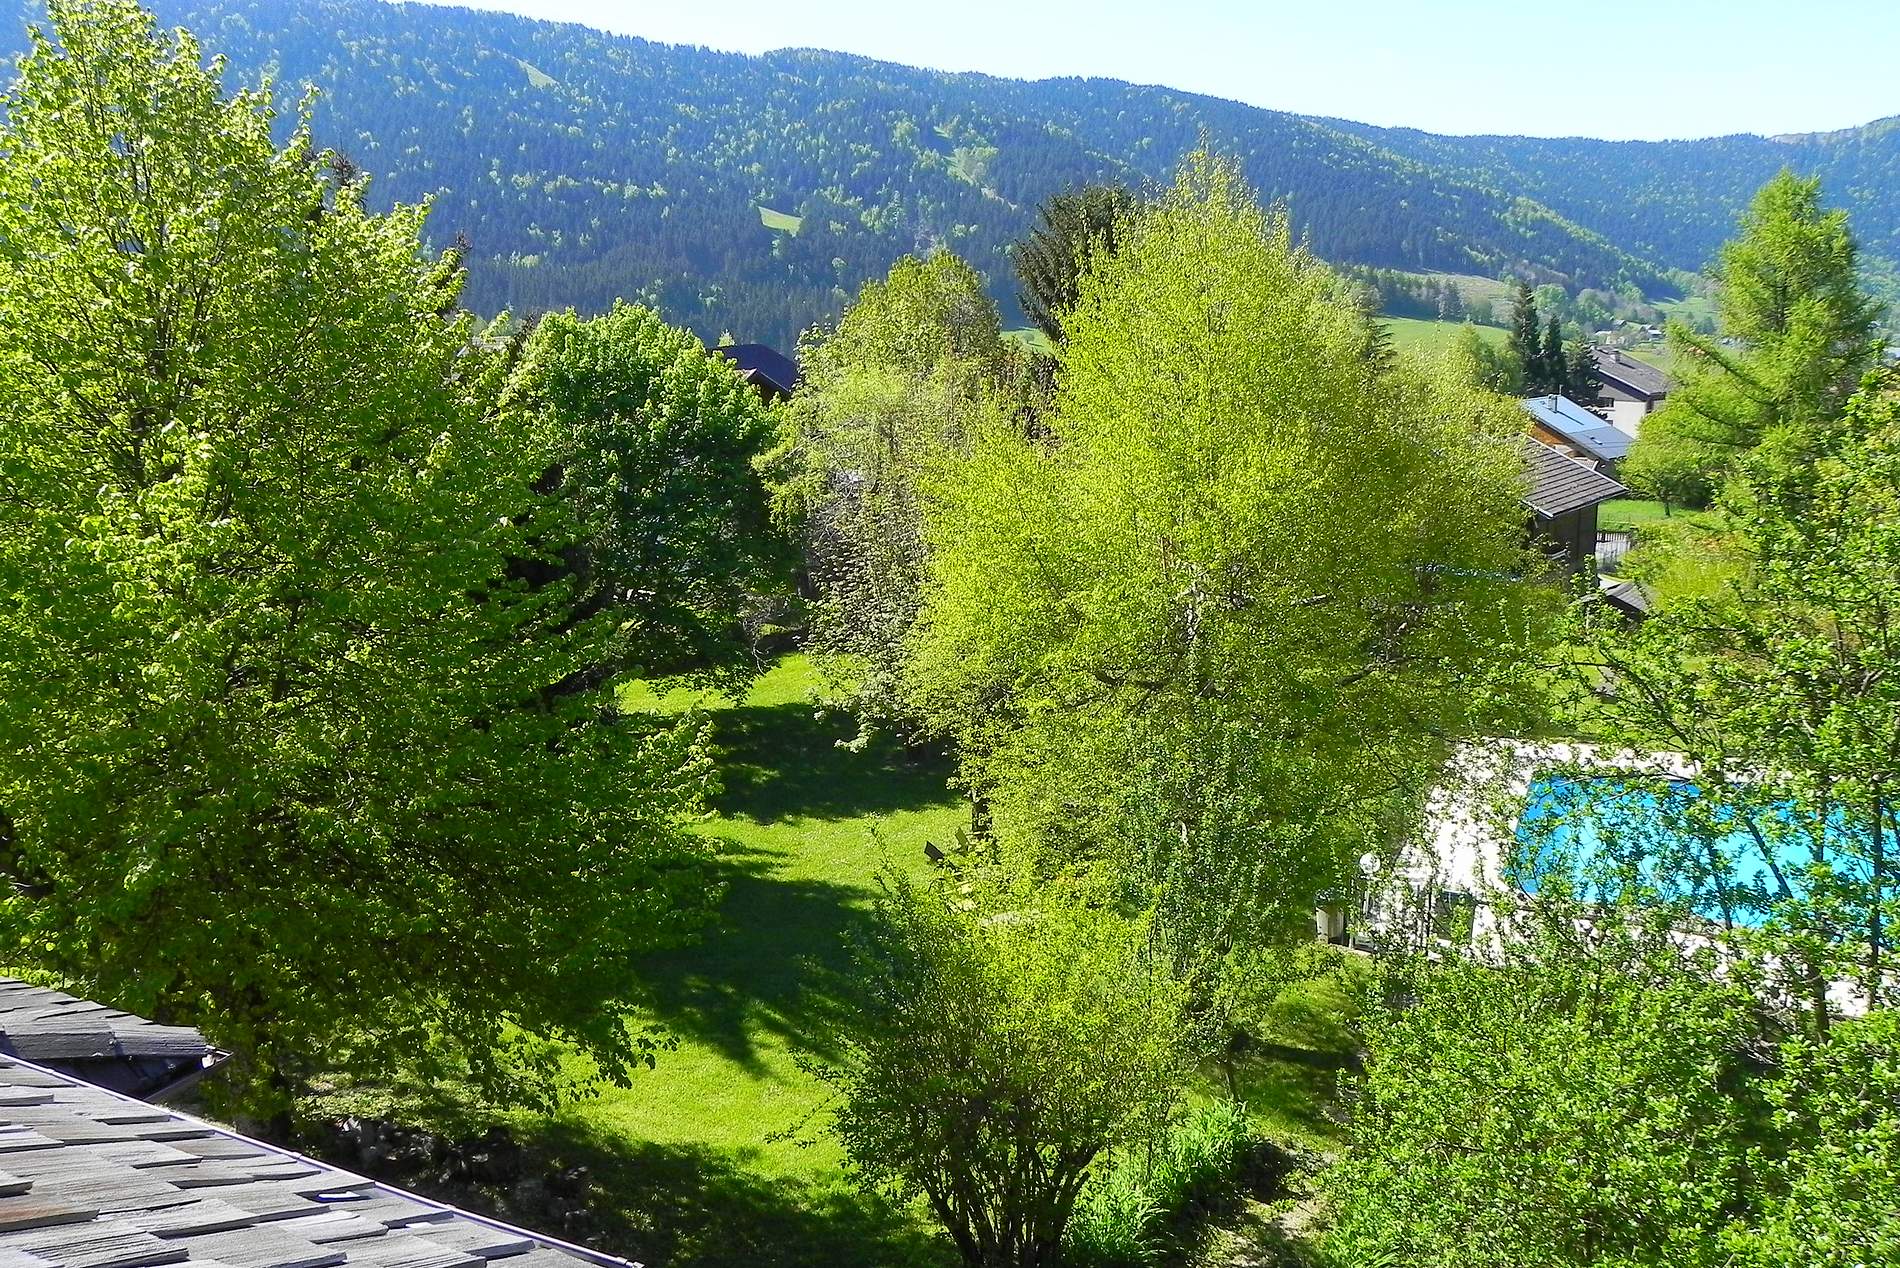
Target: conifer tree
column 1582, row 383
column 1552, row 364
column 1526, row 344
column 1798, row 330
column 1049, row 263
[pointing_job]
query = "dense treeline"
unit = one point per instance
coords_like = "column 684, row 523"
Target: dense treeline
column 1674, row 202
column 584, row 167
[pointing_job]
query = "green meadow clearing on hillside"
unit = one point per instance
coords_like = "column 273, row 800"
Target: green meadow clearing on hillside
column 1412, row 334
column 1656, row 354
column 1029, row 337
column 537, row 78
column 1471, row 287
column 784, row 222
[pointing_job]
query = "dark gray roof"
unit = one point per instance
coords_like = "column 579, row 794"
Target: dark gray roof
column 1638, row 378
column 1560, row 484
column 99, row 1045
column 760, row 363
column 1626, row 596
column 90, row 1178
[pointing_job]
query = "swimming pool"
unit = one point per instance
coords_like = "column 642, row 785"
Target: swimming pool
column 1610, row 834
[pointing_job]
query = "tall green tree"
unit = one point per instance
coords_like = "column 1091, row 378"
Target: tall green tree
column 1582, row 381
column 284, row 747
column 1475, row 361
column 659, row 454
column 1585, row 1101
column 1668, row 466
column 915, row 366
column 1797, row 330
column 1782, row 686
column 1552, row 364
column 1199, row 640
column 1072, row 228
column 1527, row 337
column 1832, row 1164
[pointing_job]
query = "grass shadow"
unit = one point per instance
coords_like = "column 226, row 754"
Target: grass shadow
column 684, row 1206
column 752, row 973
column 784, row 761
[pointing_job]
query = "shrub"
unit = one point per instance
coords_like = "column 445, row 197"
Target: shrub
column 994, row 1052
column 1128, row 1209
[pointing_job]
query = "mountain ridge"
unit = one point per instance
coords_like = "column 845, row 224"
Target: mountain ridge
column 753, row 193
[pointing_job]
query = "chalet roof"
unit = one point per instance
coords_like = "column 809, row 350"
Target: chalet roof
column 1638, row 378
column 758, row 363
column 1561, row 484
column 99, row 1045
column 1579, row 427
column 1626, row 597
column 91, row 1178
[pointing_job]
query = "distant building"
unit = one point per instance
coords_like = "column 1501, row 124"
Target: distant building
column 773, row 373
column 1563, row 501
column 1632, row 389
column 1569, row 428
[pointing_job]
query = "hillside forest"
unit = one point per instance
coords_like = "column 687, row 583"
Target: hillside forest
column 754, row 195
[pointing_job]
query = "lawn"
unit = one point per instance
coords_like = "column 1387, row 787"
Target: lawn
column 782, row 221
column 1656, row 354
column 1029, row 337
column 1413, row 334
column 1620, row 515
column 710, row 1164
column 715, row 1156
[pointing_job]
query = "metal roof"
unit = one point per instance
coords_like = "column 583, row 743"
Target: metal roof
column 758, row 362
column 99, row 1045
column 1638, row 378
column 91, row 1178
column 1580, row 427
column 1561, row 484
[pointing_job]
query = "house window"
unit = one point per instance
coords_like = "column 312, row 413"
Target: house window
column 1452, row 912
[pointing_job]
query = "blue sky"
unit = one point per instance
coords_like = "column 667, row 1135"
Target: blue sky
column 1612, row 68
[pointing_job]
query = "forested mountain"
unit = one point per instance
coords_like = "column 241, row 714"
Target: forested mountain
column 753, row 194
column 1673, row 202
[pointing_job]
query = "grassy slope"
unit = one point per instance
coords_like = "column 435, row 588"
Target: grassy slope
column 1029, row 337
column 780, row 220
column 1412, row 334
column 706, row 1139
column 1620, row 514
column 702, row 1161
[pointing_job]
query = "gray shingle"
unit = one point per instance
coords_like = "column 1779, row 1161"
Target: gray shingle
column 1560, row 485
column 263, row 1246
column 138, row 1186
column 97, row 1244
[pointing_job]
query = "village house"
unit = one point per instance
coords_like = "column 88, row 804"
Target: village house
column 774, row 374
column 1631, row 390
column 1564, row 495
column 1571, row 429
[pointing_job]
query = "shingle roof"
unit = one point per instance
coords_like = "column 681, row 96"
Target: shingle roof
column 99, row 1045
column 758, row 362
column 90, row 1178
column 1580, row 427
column 1626, row 596
column 1560, row 485
column 1638, row 378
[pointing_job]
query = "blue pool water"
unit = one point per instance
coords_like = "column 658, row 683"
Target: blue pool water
column 1666, row 839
